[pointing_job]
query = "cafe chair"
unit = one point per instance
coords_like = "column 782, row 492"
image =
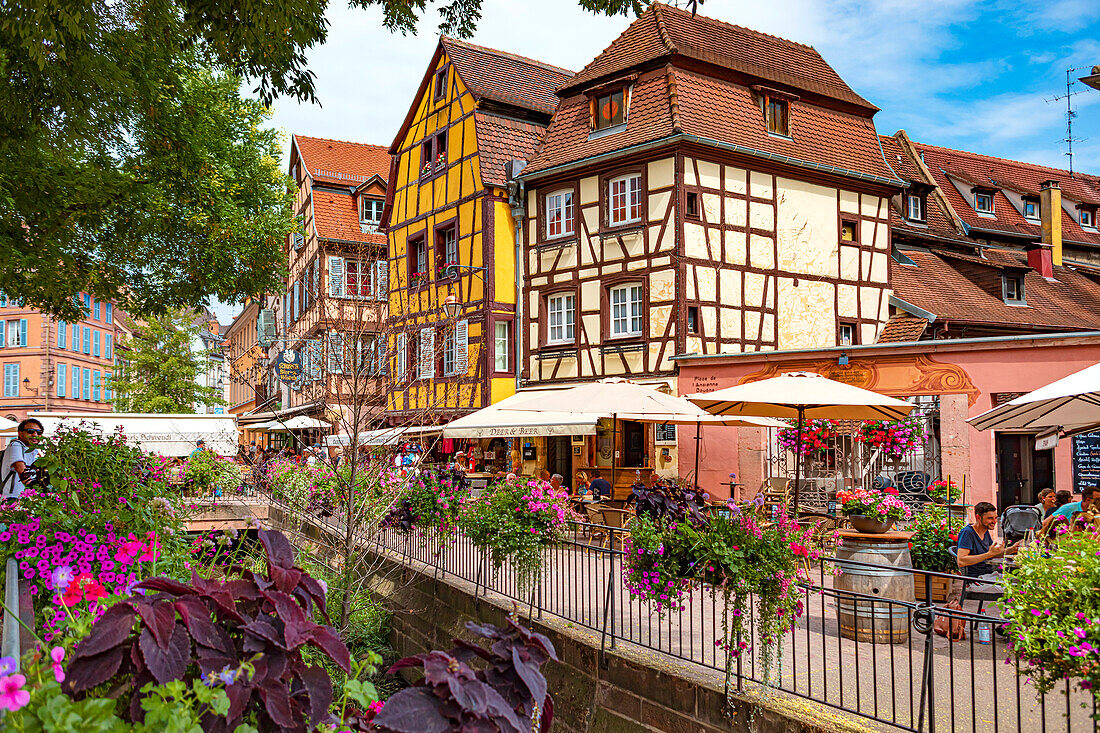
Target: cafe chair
column 975, row 589
column 616, row 519
column 597, row 533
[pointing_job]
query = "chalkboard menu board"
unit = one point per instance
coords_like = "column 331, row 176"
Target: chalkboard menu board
column 664, row 434
column 1086, row 461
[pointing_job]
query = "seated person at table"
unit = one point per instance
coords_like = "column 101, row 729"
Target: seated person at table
column 582, row 483
column 1047, row 502
column 555, row 482
column 600, row 487
column 976, row 546
column 1068, row 510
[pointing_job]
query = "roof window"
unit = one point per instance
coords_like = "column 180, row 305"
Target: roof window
column 1012, row 285
column 1088, row 216
column 1031, row 209
column 914, row 207
column 983, row 202
column 609, row 110
column 778, row 114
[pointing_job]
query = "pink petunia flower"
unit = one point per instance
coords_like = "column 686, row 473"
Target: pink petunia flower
column 12, row 695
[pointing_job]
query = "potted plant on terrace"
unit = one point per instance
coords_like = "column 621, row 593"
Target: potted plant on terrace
column 935, row 532
column 873, row 511
column 946, row 493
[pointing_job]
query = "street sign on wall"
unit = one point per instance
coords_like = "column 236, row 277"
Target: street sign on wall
column 288, row 367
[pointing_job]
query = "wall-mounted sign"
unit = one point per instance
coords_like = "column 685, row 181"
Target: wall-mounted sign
column 288, row 367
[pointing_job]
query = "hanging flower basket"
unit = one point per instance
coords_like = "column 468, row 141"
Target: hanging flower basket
column 818, row 438
column 895, row 439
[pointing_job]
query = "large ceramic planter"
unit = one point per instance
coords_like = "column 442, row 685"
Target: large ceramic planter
column 941, row 587
column 870, row 525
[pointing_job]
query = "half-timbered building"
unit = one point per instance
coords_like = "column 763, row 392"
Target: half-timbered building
column 452, row 238
column 702, row 188
column 334, row 306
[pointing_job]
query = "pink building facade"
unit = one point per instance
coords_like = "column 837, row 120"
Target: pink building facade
column 963, row 377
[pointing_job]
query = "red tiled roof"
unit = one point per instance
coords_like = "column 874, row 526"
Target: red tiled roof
column 968, row 290
column 663, row 31
column 335, row 217
column 720, row 110
column 937, row 221
column 499, row 139
column 506, row 77
column 341, row 162
column 970, row 168
column 900, row 329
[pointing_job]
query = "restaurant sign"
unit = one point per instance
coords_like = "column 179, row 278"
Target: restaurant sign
column 288, row 367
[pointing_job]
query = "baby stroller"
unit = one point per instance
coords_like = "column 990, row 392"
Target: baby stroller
column 1017, row 520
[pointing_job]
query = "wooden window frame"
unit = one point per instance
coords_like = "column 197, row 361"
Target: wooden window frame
column 614, row 281
column 922, row 201
column 607, row 93
column 435, row 142
column 627, row 282
column 418, row 239
column 605, row 199
column 695, row 330
column 855, row 230
column 510, row 322
column 992, row 202
column 544, row 214
column 439, row 82
column 364, row 199
column 440, row 256
column 544, row 321
column 692, row 209
column 1034, row 202
column 769, row 122
column 840, row 326
column 1021, row 294
column 1082, row 212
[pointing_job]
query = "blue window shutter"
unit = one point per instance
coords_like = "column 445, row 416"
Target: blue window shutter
column 62, row 332
column 87, row 340
column 22, row 331
column 76, row 338
column 110, row 314
column 98, row 309
column 87, row 304
column 87, row 391
column 76, row 383
column 107, row 348
column 95, row 386
column 62, row 376
column 107, row 386
column 3, row 335
column 3, row 300
column 95, row 343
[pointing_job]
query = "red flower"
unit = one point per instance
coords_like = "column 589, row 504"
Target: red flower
column 954, row 537
column 83, row 588
column 890, row 490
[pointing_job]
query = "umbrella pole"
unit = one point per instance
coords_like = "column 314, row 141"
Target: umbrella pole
column 698, row 437
column 798, row 459
column 614, row 451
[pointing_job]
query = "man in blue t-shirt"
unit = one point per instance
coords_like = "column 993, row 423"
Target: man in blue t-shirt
column 599, row 486
column 1067, row 511
column 976, row 546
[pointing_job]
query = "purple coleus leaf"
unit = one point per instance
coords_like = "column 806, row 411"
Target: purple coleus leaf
column 279, row 552
column 319, row 687
column 531, row 675
column 88, row 671
column 205, row 632
column 112, row 629
column 171, row 662
column 277, row 703
column 412, row 710
column 327, row 640
column 160, row 618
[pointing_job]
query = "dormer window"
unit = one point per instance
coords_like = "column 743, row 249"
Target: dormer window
column 983, row 202
column 1031, row 209
column 778, row 116
column 610, row 110
column 1013, row 288
column 1088, row 217
column 370, row 210
column 915, row 207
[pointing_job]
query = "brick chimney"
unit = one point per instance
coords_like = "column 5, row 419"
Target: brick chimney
column 1040, row 259
column 1050, row 212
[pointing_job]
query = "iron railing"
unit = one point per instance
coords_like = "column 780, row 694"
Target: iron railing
column 922, row 682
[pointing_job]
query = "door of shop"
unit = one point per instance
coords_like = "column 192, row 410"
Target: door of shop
column 633, row 444
column 1021, row 469
column 559, row 458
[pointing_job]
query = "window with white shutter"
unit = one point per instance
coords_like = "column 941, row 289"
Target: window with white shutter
column 427, row 353
column 402, row 357
column 297, row 300
column 316, row 292
column 336, row 277
column 314, row 362
column 382, row 280
column 336, row 353
column 383, row 356
column 462, row 348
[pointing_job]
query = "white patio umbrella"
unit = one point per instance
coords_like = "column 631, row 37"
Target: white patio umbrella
column 799, row 395
column 1070, row 405
column 622, row 399
column 298, row 422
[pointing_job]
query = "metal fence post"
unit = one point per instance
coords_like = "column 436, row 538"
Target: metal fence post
column 9, row 646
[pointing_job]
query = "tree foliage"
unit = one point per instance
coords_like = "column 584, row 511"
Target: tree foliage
column 130, row 165
column 162, row 369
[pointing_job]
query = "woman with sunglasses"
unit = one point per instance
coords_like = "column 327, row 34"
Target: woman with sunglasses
column 19, row 456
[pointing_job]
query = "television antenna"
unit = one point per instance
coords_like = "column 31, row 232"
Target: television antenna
column 1069, row 139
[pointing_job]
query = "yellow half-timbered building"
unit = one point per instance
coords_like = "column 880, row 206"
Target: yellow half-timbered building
column 477, row 117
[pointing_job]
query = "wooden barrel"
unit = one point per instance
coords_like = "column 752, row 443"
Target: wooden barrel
column 863, row 619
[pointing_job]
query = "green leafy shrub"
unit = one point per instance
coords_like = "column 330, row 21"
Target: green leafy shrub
column 935, row 532
column 430, row 500
column 1052, row 603
column 514, row 521
column 207, row 472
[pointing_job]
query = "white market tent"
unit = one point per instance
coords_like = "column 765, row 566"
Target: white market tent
column 298, row 422
column 1070, row 405
column 381, row 436
column 168, row 435
column 503, row 420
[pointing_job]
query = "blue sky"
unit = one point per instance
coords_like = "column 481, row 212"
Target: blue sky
column 968, row 75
